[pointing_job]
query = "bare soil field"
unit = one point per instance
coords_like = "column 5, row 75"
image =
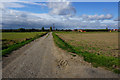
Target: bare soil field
column 101, row 43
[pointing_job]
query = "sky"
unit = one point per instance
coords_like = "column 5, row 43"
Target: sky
column 64, row 15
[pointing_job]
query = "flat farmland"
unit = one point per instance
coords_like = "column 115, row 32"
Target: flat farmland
column 97, row 48
column 13, row 39
column 19, row 36
column 100, row 43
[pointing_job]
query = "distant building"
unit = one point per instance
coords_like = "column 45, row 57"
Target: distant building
column 73, row 30
column 80, row 30
column 115, row 29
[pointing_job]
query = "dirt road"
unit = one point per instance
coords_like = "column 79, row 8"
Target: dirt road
column 42, row 59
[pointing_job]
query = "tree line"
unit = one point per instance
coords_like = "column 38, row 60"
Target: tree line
column 50, row 29
column 26, row 30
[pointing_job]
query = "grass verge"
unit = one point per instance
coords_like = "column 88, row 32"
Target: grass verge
column 18, row 45
column 110, row 63
column 47, row 35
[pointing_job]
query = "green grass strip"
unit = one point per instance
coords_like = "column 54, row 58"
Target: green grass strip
column 96, row 60
column 62, row 44
column 18, row 45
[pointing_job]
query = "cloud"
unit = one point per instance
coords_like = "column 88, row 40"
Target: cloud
column 18, row 19
column 62, row 8
column 108, row 21
column 10, row 5
column 18, row 5
column 1, row 5
column 109, row 16
column 34, row 3
column 62, row 14
column 97, row 17
column 117, row 19
column 9, row 0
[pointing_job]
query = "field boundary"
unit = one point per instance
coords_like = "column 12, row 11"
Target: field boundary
column 95, row 60
column 16, row 46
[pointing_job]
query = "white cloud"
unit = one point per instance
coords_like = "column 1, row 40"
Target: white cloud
column 117, row 19
column 1, row 5
column 17, row 19
column 10, row 5
column 34, row 3
column 61, row 8
column 60, row 13
column 108, row 21
column 18, row 5
column 98, row 17
column 109, row 16
column 9, row 0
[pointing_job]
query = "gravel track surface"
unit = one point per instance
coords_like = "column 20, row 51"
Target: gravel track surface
column 42, row 59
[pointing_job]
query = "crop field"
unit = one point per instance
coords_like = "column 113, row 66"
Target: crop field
column 19, row 36
column 98, row 48
column 101, row 43
column 9, row 38
column 12, row 38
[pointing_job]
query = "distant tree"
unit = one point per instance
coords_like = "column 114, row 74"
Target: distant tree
column 43, row 29
column 75, row 29
column 33, row 30
column 21, row 29
column 50, row 28
column 107, row 28
column 56, row 29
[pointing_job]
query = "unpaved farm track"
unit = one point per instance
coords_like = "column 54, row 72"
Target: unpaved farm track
column 42, row 59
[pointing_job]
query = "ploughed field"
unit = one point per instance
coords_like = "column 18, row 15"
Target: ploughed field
column 98, row 48
column 100, row 43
